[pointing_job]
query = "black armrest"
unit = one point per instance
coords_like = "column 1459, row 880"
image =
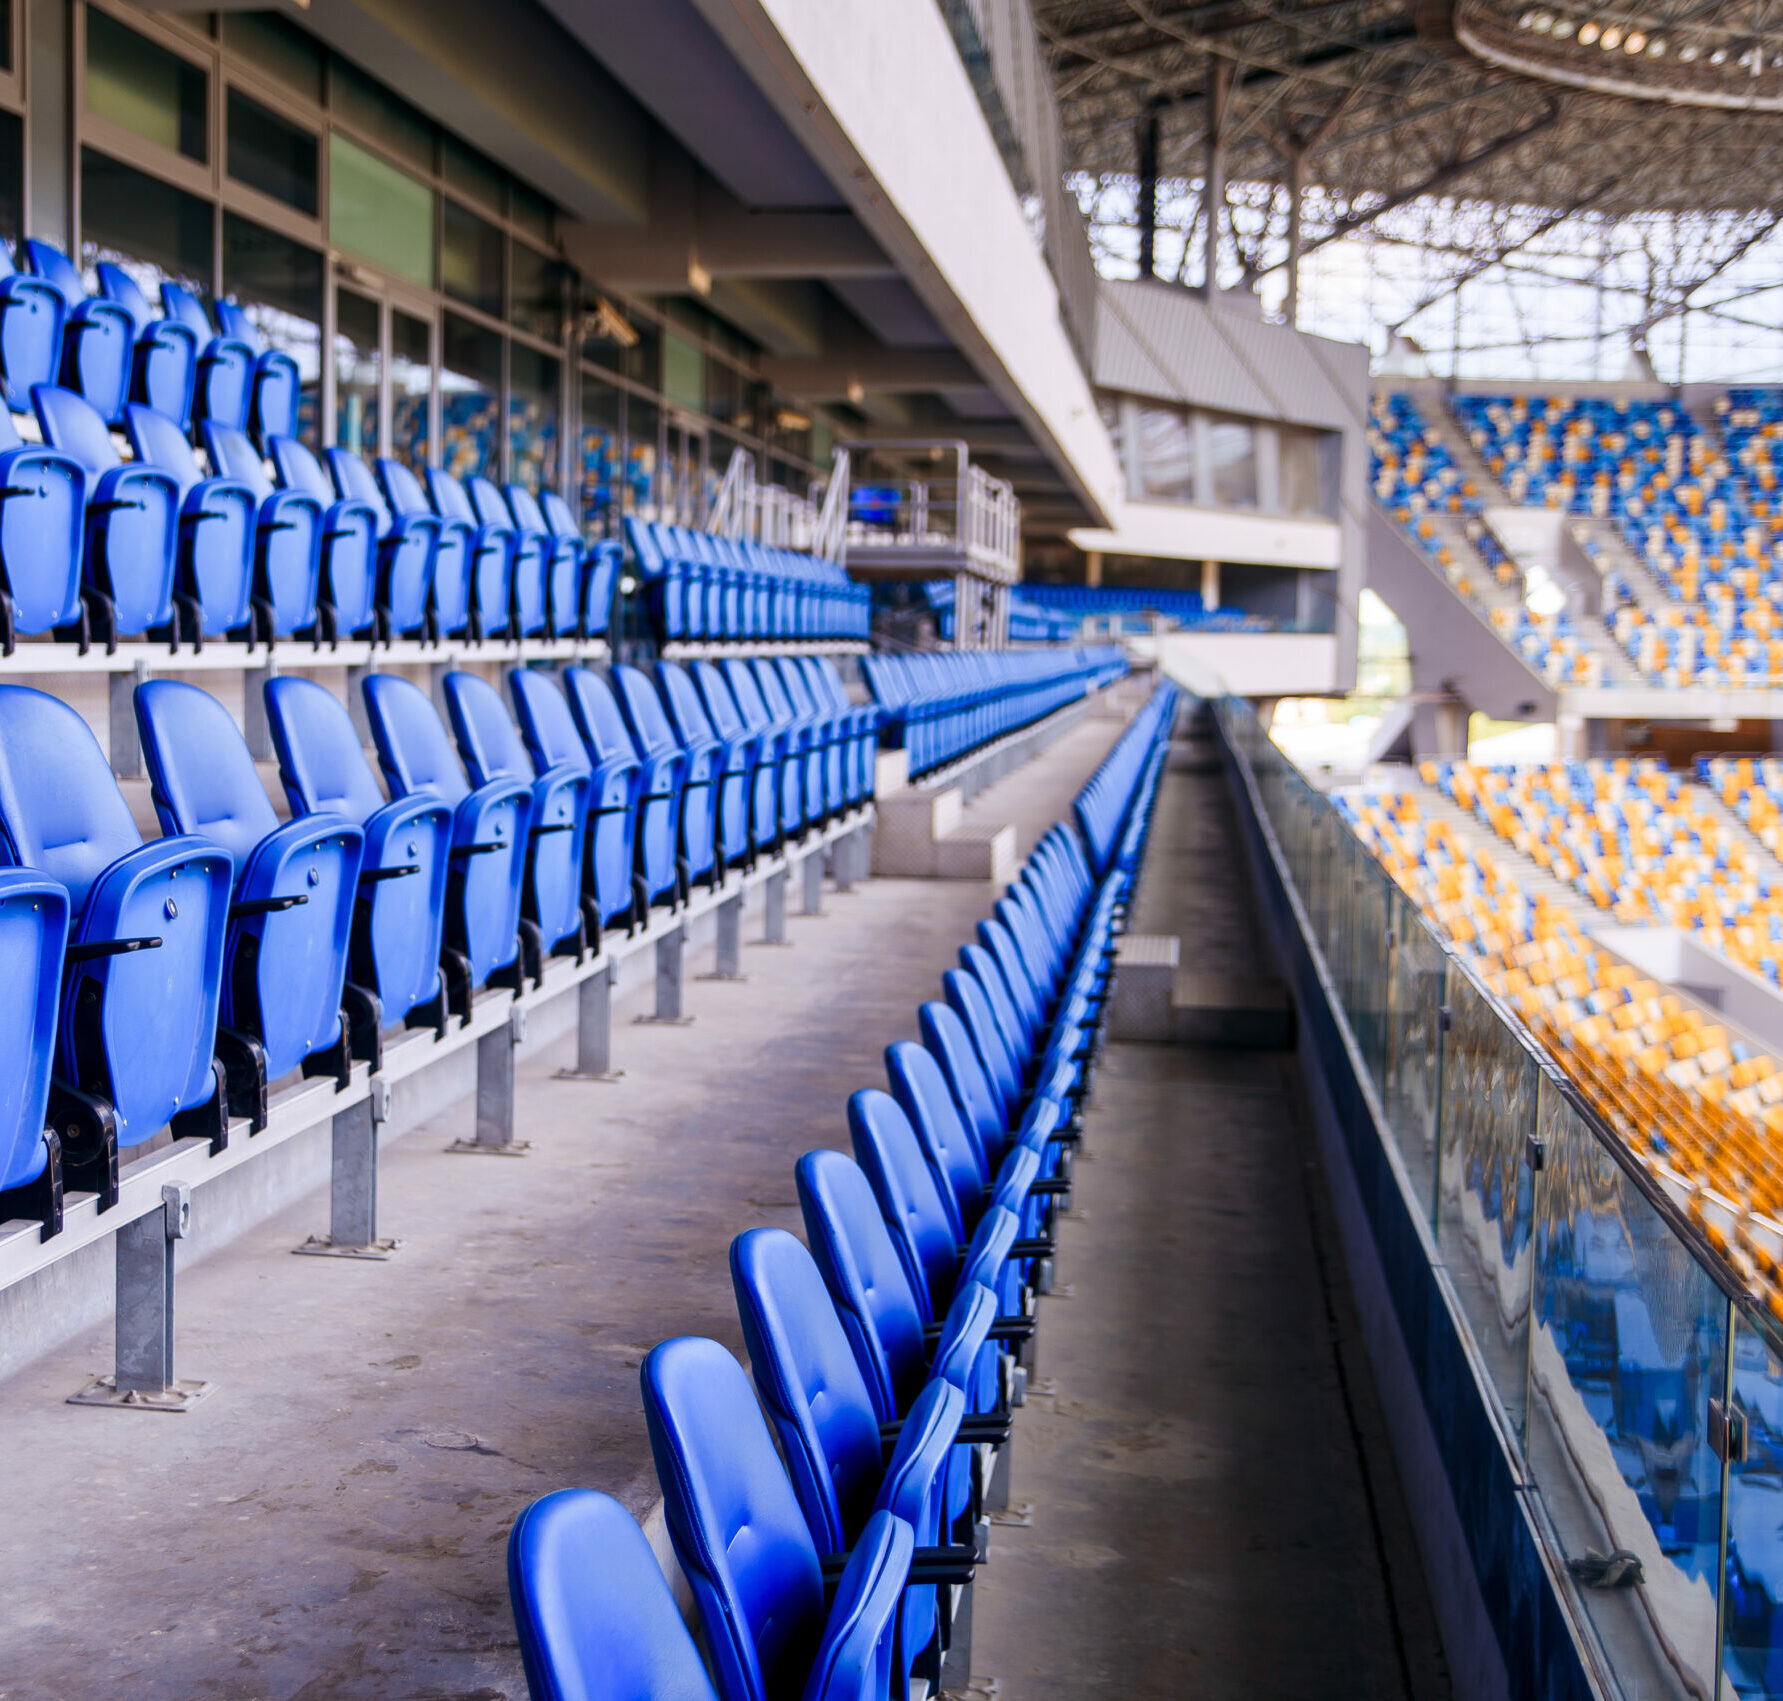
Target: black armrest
column 266, row 906
column 89, row 949
column 1012, row 1329
column 943, row 1564
column 482, row 848
column 1040, row 1246
column 554, row 827
column 984, row 1426
column 1051, row 1184
column 371, row 876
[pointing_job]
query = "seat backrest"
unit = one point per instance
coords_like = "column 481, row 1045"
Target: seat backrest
column 650, row 728
column 684, row 705
column 857, row 1661
column 322, row 764
column 233, row 455
column 546, row 723
column 485, row 731
column 558, row 518
column 33, row 937
column 201, row 776
column 233, row 321
column 596, row 1617
column 810, row 1384
column 180, row 304
column 747, row 693
column 596, row 713
column 402, row 490
column 54, row 267
column 886, row 1148
column 116, row 284
column 487, row 503
column 865, row 1277
column 966, row 996
column 72, row 424
column 945, row 1038
column 952, row 1148
column 734, row 1519
column 159, row 442
column 721, row 706
column 767, row 680
column 524, row 506
column 353, row 479
column 448, row 497
column 413, row 749
column 61, row 812
column 298, row 468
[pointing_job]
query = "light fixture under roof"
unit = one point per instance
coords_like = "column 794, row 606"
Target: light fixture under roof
column 1636, row 42
column 1612, row 38
column 1588, row 32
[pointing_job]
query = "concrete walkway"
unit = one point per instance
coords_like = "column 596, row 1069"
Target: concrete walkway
column 331, row 1523
column 1214, row 1510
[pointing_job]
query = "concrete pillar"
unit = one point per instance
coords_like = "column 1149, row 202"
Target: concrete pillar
column 1210, row 585
column 495, row 1090
column 1092, row 568
column 1439, row 730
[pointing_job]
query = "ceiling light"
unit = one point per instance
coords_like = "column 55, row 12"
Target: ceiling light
column 1587, row 34
column 1612, row 38
column 1656, row 48
column 1688, row 52
column 1718, row 57
column 1542, row 22
column 1635, row 43
column 1526, row 20
column 1563, row 28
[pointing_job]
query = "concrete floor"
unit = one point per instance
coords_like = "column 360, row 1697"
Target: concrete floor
column 331, row 1523
column 1214, row 1510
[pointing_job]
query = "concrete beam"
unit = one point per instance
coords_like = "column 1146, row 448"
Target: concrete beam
column 833, row 375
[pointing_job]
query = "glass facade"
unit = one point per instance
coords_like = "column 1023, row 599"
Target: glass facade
column 358, row 372
column 142, row 87
column 1176, row 454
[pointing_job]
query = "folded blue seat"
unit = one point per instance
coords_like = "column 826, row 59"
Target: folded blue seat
column 287, row 536
column 557, row 824
column 40, row 540
column 164, row 360
column 691, row 577
column 951, row 1145
column 561, row 558
column 98, row 335
column 33, row 937
column 142, row 980
column 760, row 1599
column 829, row 730
column 526, row 558
column 600, row 565
column 488, row 548
column 450, row 604
column 406, row 545
column 32, row 311
column 489, row 826
column 804, row 736
column 655, row 820
column 695, row 842
column 780, row 746
column 347, row 583
column 291, row 912
column 224, row 390
column 218, row 531
column 275, row 389
column 132, row 522
column 728, row 763
column 664, row 593
column 400, row 907
column 761, row 772
column 860, row 720
column 611, row 817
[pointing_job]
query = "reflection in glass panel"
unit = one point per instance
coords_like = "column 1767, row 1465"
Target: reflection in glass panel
column 537, row 292
column 374, row 111
column 472, row 174
column 6, row 55
column 1629, row 1348
column 533, row 416
column 1302, row 488
column 683, row 371
column 357, row 369
column 530, row 212
column 279, row 284
column 411, row 387
column 643, row 421
column 470, row 259
column 381, row 214
column 276, row 46
column 1414, row 1050
column 603, row 428
column 1752, row 1647
column 1232, row 447
column 470, row 383
column 269, row 153
column 136, row 217
column 12, row 177
column 151, row 92
column 1485, row 1194
column 1166, row 456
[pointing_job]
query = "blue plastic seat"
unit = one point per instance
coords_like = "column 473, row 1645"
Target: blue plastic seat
column 287, row 536
column 347, row 584
column 665, row 599
column 32, row 310
column 224, row 388
column 526, row 558
column 948, row 1141
column 291, row 914
column 132, row 520
column 276, row 388
column 761, row 778
column 779, row 745
column 561, row 555
column 493, row 750
column 40, row 540
column 33, row 937
column 596, row 1618
column 449, row 594
column 98, row 336
column 804, row 735
column 600, row 565
column 489, row 825
column 218, row 530
column 399, row 916
column 738, row 1533
column 137, row 1027
column 655, row 738
column 731, row 757
column 488, row 558
column 829, row 731
column 164, row 362
column 405, row 547
column 604, row 726
column 610, row 818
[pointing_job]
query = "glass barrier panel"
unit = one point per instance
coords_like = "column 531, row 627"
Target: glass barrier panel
column 1752, row 1624
column 1413, row 1094
column 1374, row 955
column 1628, row 1351
column 1485, row 1200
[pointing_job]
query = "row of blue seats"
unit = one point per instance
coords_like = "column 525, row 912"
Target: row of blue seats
column 885, row 1352
column 701, row 586
column 941, row 704
column 172, row 982
column 1028, row 622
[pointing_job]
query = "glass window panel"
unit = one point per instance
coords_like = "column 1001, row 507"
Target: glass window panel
column 470, row 386
column 537, row 292
column 279, row 284
column 603, row 446
column 411, row 388
column 1628, row 1350
column 6, row 59
column 534, row 411
column 1414, row 1049
column 643, row 420
column 530, row 212
column 375, row 112
column 1752, row 1650
column 1166, row 456
column 358, row 367
column 724, row 391
column 643, row 360
column 379, row 213
column 1299, row 471
column 1485, row 1190
column 1232, row 444
column 131, row 216
column 151, row 92
column 472, row 174
column 12, row 177
column 271, row 154
column 470, row 260
column 683, row 371
column 276, row 46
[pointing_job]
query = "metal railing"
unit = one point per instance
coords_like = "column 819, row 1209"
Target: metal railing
column 772, row 514
column 934, row 513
